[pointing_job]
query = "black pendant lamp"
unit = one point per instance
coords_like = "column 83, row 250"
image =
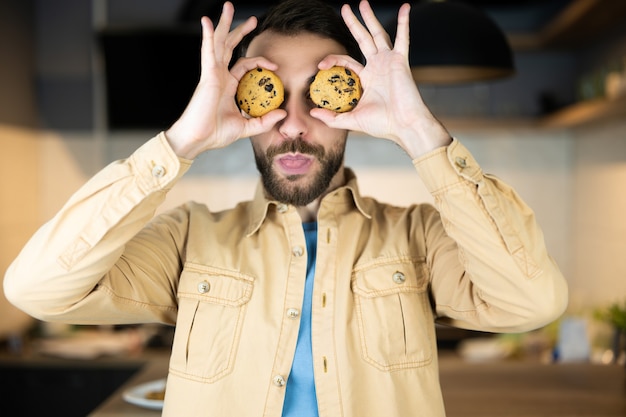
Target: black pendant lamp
column 452, row 42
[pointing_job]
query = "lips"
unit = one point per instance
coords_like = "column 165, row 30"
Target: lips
column 294, row 164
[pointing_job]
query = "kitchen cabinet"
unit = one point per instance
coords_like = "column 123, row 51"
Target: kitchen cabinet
column 38, row 385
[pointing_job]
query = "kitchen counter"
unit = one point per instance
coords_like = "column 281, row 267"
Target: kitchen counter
column 154, row 367
column 503, row 388
column 532, row 389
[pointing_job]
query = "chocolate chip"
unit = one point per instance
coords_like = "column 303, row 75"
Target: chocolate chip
column 269, row 87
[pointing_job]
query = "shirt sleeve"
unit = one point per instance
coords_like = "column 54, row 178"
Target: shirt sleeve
column 63, row 263
column 505, row 279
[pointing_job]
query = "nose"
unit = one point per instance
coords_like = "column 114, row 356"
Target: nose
column 296, row 123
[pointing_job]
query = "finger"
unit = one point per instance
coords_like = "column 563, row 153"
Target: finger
column 244, row 65
column 207, row 53
column 344, row 121
column 376, row 30
column 258, row 125
column 225, row 39
column 236, row 35
column 358, row 31
column 226, row 20
column 324, row 115
column 342, row 61
column 401, row 43
column 222, row 29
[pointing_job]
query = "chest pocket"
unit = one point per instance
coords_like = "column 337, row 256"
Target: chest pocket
column 394, row 315
column 211, row 310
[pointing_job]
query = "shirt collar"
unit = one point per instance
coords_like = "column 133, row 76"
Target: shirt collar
column 348, row 193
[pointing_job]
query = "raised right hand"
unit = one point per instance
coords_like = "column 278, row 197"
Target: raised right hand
column 212, row 119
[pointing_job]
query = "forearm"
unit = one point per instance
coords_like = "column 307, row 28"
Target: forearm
column 422, row 135
column 507, row 281
column 66, row 258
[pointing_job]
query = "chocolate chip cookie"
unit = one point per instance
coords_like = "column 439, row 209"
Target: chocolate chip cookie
column 259, row 92
column 338, row 89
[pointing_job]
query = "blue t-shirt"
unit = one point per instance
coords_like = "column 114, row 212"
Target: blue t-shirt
column 300, row 398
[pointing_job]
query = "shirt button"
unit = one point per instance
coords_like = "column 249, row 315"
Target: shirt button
column 282, row 208
column 297, row 251
column 398, row 277
column 460, row 162
column 279, row 381
column 293, row 313
column 158, row 171
column 204, row 287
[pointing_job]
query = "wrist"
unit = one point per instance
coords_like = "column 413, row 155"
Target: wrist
column 182, row 147
column 424, row 136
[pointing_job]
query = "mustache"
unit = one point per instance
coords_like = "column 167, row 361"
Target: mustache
column 296, row 146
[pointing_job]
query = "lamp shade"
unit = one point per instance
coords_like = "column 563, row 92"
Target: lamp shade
column 453, row 42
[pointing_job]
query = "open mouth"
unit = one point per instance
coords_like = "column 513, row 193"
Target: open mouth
column 294, row 164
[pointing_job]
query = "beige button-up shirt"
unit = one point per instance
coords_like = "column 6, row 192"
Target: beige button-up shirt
column 233, row 283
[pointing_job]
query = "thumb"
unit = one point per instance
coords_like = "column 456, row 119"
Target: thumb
column 258, row 125
column 333, row 119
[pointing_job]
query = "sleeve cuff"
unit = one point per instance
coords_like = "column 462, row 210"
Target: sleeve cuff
column 157, row 166
column 447, row 167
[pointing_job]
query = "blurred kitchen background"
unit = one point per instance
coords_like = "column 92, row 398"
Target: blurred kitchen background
column 82, row 84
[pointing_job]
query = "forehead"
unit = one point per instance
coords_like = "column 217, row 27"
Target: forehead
column 304, row 48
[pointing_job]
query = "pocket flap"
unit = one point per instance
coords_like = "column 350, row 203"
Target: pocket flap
column 215, row 285
column 385, row 277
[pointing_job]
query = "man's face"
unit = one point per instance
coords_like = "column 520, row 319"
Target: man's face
column 301, row 157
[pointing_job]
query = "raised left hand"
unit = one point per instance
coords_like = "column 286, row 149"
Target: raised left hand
column 391, row 106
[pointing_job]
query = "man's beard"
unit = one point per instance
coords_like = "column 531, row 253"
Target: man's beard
column 285, row 189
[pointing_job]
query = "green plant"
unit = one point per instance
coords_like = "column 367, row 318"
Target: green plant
column 615, row 315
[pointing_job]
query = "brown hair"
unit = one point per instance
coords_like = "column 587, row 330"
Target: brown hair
column 291, row 17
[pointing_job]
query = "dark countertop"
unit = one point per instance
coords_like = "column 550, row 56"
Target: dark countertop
column 532, row 389
column 507, row 388
column 489, row 389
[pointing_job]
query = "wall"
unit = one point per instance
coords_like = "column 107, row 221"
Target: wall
column 19, row 208
column 599, row 216
column 19, row 162
column 537, row 163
